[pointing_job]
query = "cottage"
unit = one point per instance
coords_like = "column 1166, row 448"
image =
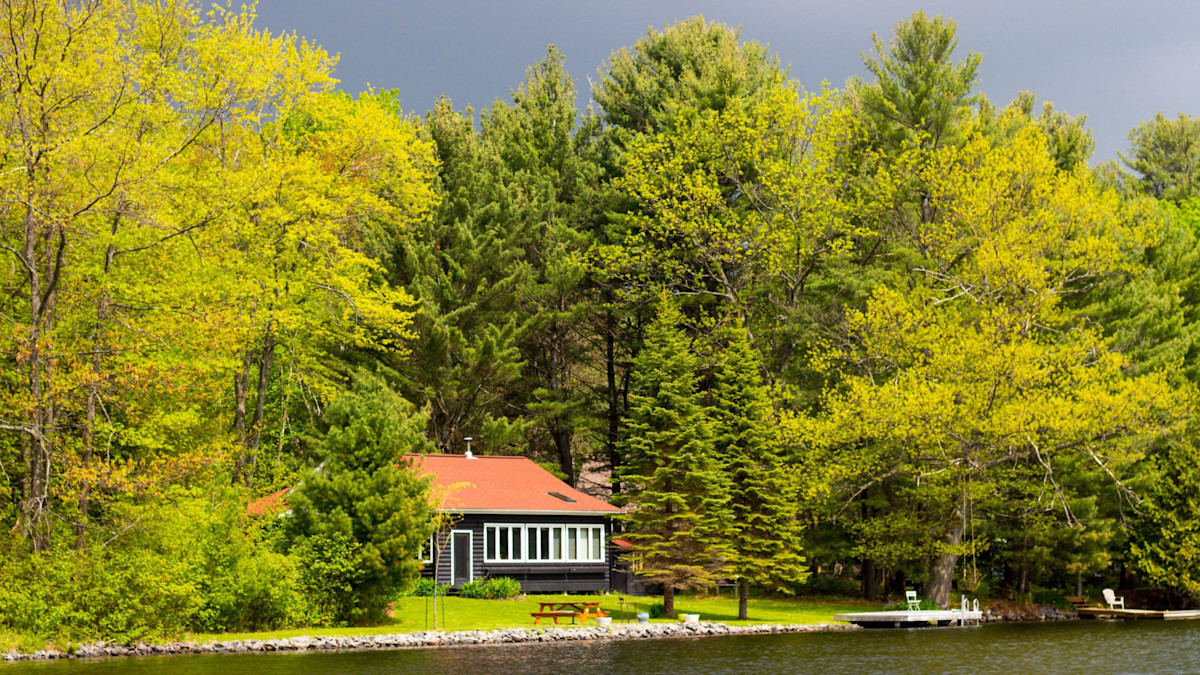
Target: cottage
column 512, row 518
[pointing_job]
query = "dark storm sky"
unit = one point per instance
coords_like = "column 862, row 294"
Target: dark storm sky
column 1118, row 61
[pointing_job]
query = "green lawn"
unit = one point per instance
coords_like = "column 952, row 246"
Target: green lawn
column 416, row 614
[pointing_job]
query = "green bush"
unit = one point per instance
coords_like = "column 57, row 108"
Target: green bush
column 424, row 588
column 819, row 585
column 135, row 594
column 656, row 610
column 476, row 589
column 254, row 593
column 328, row 574
column 1051, row 597
column 501, row 588
column 498, row 588
column 34, row 596
column 193, row 562
column 119, row 594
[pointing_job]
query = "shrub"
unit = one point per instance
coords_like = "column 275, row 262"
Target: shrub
column 424, row 588
column 498, row 588
column 821, row 585
column 258, row 592
column 33, row 593
column 1051, row 597
column 475, row 590
column 501, row 588
column 193, row 562
column 134, row 594
column 328, row 574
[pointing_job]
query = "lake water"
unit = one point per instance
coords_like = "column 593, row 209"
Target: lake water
column 1090, row 647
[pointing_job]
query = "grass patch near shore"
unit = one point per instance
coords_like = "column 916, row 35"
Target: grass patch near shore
column 416, row 614
column 18, row 642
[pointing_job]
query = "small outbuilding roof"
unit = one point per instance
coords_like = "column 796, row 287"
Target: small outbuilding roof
column 503, row 484
column 270, row 504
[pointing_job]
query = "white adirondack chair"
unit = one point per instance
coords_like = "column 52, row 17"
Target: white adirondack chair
column 914, row 604
column 1112, row 599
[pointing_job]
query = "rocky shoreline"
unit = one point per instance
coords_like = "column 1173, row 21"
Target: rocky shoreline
column 480, row 637
column 429, row 639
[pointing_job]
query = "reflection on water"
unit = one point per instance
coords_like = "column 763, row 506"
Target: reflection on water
column 1091, row 647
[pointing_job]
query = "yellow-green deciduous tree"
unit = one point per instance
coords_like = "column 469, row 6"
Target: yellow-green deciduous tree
column 108, row 116
column 326, row 186
column 979, row 366
column 179, row 191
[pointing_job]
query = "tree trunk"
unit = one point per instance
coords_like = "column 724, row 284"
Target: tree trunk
column 93, row 400
column 941, row 571
column 560, row 432
column 743, row 599
column 614, row 412
column 34, row 514
column 249, row 436
column 562, row 442
column 870, row 583
column 245, row 464
column 1126, row 577
column 265, row 358
column 240, row 381
column 1078, row 584
column 668, row 600
column 89, row 438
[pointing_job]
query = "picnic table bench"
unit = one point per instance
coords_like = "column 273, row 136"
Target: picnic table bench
column 558, row 609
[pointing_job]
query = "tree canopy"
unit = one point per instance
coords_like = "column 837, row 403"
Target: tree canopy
column 806, row 337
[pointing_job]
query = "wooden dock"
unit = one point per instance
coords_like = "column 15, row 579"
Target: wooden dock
column 1159, row 614
column 911, row 619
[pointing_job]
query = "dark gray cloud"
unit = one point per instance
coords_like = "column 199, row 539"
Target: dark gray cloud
column 1117, row 61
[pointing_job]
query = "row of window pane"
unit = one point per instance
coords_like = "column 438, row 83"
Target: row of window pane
column 537, row 543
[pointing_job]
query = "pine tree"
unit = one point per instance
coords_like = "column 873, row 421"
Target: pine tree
column 543, row 178
column 364, row 499
column 679, row 523
column 465, row 271
column 1165, row 153
column 764, row 499
column 918, row 93
column 693, row 65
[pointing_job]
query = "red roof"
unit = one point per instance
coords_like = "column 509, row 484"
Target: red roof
column 482, row 483
column 502, row 483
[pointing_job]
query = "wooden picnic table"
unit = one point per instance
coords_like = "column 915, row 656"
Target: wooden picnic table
column 561, row 609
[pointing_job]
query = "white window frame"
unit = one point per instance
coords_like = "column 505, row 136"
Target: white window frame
column 489, row 530
column 585, row 540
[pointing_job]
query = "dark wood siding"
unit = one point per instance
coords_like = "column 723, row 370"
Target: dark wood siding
column 535, row 577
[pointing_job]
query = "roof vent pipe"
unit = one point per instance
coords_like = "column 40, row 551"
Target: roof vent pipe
column 468, row 454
